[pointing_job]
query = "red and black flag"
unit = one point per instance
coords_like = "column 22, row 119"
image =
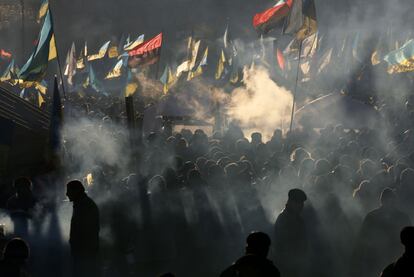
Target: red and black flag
column 146, row 53
column 302, row 19
column 268, row 19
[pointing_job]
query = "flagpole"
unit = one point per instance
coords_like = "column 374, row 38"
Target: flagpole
column 159, row 61
column 295, row 89
column 23, row 27
column 57, row 52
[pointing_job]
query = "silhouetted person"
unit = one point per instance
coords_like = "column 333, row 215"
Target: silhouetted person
column 15, row 255
column 84, row 231
column 20, row 205
column 291, row 241
column 23, row 199
column 377, row 242
column 404, row 266
column 255, row 262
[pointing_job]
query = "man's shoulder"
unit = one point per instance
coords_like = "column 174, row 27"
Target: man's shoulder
column 388, row 271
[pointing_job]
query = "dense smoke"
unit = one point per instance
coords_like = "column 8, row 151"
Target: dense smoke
column 260, row 105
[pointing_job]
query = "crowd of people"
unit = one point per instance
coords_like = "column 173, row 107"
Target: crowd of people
column 312, row 202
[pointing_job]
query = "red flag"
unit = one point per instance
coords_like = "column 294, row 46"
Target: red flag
column 280, row 59
column 5, row 55
column 146, row 53
column 265, row 21
column 147, row 46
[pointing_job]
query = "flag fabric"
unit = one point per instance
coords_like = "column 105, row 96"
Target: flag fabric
column 302, row 19
column 375, row 58
column 309, row 46
column 116, row 71
column 44, row 7
column 113, row 52
column 22, row 93
column 280, row 59
column 325, row 61
column 131, row 86
column 402, row 59
column 267, row 20
column 40, row 99
column 194, row 54
column 295, row 19
column 146, row 53
column 45, row 49
column 41, row 87
column 199, row 70
column 226, row 37
column 220, row 66
column 356, row 47
column 80, row 62
column 131, row 45
column 183, row 67
column 5, row 55
column 71, row 64
column 52, row 48
column 100, row 54
column 167, row 79
column 10, row 73
column 94, row 82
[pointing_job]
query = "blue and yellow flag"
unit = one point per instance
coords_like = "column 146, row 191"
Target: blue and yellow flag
column 131, row 86
column 116, row 70
column 402, row 59
column 44, row 7
column 101, row 53
column 45, row 50
column 167, row 79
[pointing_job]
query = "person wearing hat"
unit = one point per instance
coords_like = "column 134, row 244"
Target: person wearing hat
column 84, row 231
column 254, row 263
column 290, row 237
column 404, row 266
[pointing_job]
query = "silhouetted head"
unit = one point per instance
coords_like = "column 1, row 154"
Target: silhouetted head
column 258, row 243
column 296, row 200
column 168, row 274
column 407, row 237
column 22, row 185
column 388, row 197
column 74, row 190
column 256, row 138
column 16, row 250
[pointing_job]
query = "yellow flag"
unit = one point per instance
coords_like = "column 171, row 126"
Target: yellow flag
column 130, row 89
column 89, row 179
column 170, row 81
column 220, row 65
column 113, row 52
column 80, row 64
column 101, row 53
column 41, row 88
column 52, row 48
column 375, row 59
column 40, row 99
column 43, row 10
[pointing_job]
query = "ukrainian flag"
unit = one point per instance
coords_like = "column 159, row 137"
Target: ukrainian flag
column 402, row 59
column 45, row 50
